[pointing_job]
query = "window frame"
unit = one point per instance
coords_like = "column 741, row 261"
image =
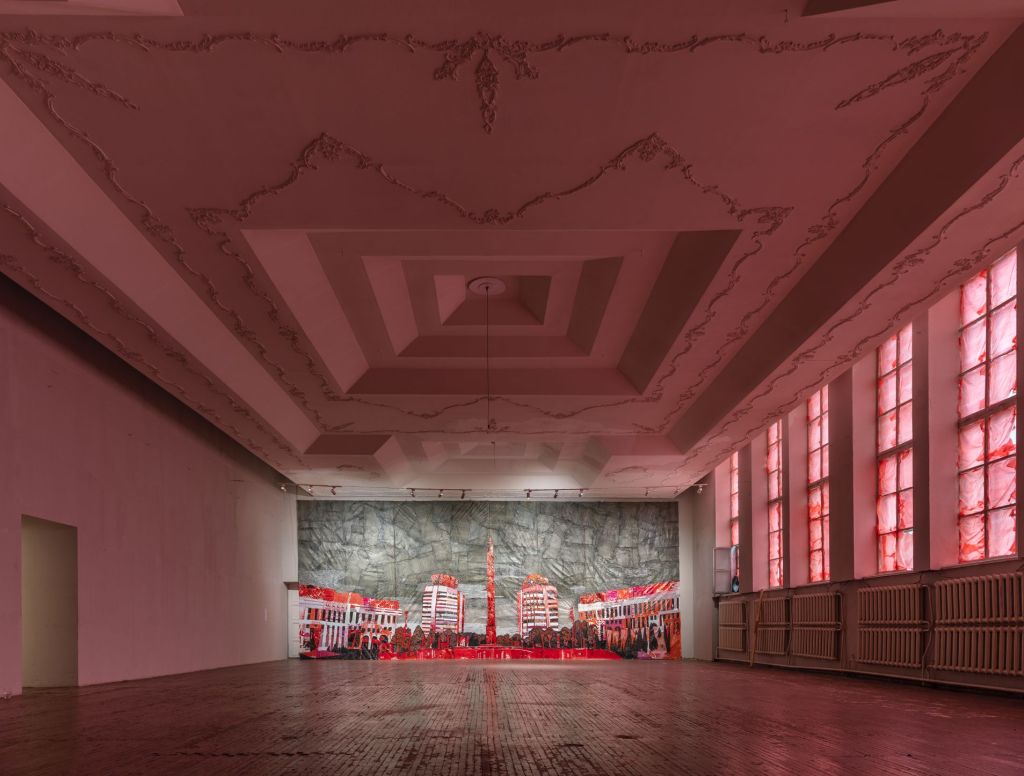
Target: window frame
column 734, row 513
column 896, row 450
column 821, row 484
column 989, row 410
column 777, row 501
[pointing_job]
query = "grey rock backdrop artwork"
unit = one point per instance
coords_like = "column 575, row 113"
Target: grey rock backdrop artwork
column 389, row 549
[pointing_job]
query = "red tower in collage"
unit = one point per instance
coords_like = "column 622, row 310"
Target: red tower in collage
column 492, row 628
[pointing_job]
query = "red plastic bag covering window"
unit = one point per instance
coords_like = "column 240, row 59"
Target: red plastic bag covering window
column 817, row 484
column 895, row 434
column 987, row 455
column 774, row 469
column 734, row 511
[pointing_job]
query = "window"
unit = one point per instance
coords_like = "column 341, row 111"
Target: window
column 817, row 484
column 895, row 436
column 734, row 512
column 987, row 455
column 775, row 542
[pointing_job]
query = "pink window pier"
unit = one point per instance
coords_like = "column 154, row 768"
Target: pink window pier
column 895, row 435
column 817, row 484
column 734, row 512
column 775, row 538
column 987, row 459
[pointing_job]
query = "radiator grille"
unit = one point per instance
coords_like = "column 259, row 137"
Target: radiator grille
column 992, row 599
column 817, row 621
column 979, row 624
column 891, row 625
column 732, row 626
column 772, row 626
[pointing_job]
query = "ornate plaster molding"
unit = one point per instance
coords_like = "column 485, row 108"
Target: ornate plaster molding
column 27, row 56
column 762, row 221
column 30, row 50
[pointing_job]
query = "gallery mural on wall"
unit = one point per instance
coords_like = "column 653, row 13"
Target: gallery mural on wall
column 436, row 580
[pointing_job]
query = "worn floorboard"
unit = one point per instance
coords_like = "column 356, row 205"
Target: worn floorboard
column 519, row 719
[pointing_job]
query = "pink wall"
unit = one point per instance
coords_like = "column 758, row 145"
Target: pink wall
column 184, row 539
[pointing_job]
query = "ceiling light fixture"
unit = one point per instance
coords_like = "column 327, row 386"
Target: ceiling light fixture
column 485, row 286
column 356, row 492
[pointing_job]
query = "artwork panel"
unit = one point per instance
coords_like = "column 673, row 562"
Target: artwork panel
column 973, row 345
column 972, row 538
column 973, row 298
column 391, row 550
column 1002, row 434
column 906, row 344
column 971, row 445
column 1004, row 278
column 1002, row 382
column 887, row 359
column 905, row 550
column 1002, row 532
column 972, row 392
column 1003, row 330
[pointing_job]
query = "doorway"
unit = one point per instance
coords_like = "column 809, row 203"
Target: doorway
column 49, row 603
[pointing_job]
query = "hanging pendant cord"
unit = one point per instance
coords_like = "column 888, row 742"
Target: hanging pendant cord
column 487, row 354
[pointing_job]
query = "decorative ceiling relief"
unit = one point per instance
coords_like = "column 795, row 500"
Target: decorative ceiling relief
column 27, row 54
column 329, row 199
column 760, row 222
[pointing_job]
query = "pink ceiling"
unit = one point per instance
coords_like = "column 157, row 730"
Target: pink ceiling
column 701, row 210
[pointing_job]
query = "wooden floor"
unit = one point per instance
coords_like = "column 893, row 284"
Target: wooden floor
column 621, row 718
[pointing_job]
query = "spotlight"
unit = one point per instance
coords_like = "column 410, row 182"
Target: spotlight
column 529, row 493
column 334, row 491
column 581, row 492
column 412, row 491
column 284, row 487
column 556, row 494
column 440, row 493
column 647, row 493
column 463, row 494
column 700, row 489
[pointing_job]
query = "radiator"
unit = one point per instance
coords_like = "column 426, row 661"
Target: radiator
column 979, row 624
column 817, row 621
column 771, row 626
column 891, row 625
column 732, row 626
